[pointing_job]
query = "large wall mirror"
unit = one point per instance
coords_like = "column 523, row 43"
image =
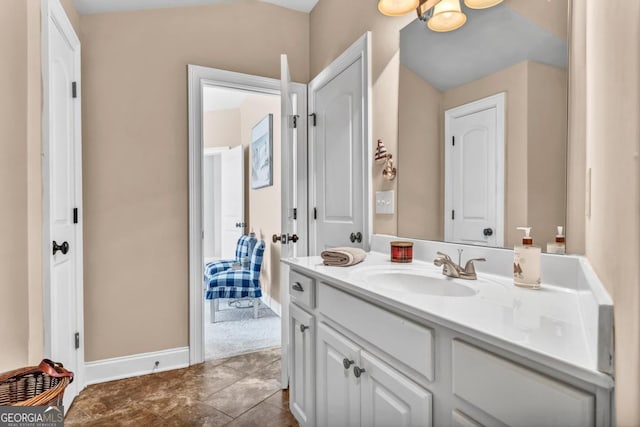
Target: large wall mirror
column 483, row 125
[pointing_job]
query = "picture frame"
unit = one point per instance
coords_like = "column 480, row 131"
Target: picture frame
column 262, row 153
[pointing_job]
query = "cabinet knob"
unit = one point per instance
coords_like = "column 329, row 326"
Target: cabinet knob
column 297, row 287
column 303, row 328
column 357, row 371
column 347, row 363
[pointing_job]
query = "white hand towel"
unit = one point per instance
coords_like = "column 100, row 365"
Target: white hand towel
column 343, row 257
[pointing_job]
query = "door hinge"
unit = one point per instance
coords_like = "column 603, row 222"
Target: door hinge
column 313, row 118
column 75, row 215
column 77, row 340
column 74, row 89
column 453, row 214
column 453, row 141
column 295, row 213
column 315, row 213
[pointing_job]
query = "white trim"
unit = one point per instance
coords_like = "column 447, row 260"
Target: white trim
column 137, row 364
column 498, row 102
column 274, row 305
column 361, row 49
column 52, row 14
column 198, row 78
column 211, row 151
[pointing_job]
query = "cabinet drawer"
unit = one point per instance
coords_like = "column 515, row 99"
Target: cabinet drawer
column 514, row 394
column 302, row 289
column 408, row 342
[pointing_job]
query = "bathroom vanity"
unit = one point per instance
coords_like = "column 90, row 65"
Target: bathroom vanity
column 402, row 345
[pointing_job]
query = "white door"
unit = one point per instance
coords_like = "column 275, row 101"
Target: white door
column 338, row 391
column 391, row 399
column 62, row 195
column 339, row 181
column 474, row 181
column 302, row 402
column 232, row 200
column 294, row 191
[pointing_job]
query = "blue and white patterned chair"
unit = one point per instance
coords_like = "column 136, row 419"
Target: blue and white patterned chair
column 243, row 249
column 237, row 284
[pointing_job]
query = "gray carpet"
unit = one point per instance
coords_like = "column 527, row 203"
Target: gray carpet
column 236, row 331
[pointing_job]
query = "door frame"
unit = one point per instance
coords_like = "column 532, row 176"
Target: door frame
column 52, row 14
column 360, row 49
column 496, row 101
column 200, row 77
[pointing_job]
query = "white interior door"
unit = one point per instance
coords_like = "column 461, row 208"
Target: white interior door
column 62, row 196
column 232, row 200
column 294, row 191
column 339, row 180
column 212, row 185
column 474, row 187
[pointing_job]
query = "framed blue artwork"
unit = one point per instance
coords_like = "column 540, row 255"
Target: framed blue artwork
column 262, row 153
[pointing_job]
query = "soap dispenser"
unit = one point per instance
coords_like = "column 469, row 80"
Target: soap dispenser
column 526, row 262
column 559, row 246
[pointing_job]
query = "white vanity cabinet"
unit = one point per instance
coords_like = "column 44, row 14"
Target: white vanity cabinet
column 364, row 361
column 355, row 388
column 302, row 343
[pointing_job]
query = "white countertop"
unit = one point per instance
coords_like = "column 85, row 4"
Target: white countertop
column 538, row 324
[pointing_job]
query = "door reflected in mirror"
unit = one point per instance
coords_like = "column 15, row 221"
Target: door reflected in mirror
column 482, row 126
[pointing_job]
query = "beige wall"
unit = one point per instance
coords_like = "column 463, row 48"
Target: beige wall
column 613, row 153
column 72, row 13
column 135, row 155
column 14, row 316
column 420, row 186
column 221, row 128
column 335, row 25
column 34, row 182
column 576, row 149
column 546, row 150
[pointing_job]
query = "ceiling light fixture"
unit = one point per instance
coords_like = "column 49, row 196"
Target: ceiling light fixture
column 441, row 15
column 447, row 16
column 481, row 4
column 397, row 7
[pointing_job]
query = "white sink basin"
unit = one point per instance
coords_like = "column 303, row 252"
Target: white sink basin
column 417, row 282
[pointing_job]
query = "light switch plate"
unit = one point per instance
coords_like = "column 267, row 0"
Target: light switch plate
column 384, row 202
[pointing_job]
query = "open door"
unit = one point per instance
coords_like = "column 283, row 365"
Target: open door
column 294, row 236
column 232, row 200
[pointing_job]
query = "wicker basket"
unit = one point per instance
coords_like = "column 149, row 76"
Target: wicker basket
column 40, row 385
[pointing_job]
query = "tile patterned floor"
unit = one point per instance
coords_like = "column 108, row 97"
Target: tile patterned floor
column 239, row 391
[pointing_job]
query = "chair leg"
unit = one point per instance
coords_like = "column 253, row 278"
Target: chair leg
column 256, row 306
column 214, row 308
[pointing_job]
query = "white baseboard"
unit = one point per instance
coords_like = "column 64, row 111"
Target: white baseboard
column 272, row 304
column 135, row 365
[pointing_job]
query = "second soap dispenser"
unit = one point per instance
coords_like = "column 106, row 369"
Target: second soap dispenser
column 526, row 262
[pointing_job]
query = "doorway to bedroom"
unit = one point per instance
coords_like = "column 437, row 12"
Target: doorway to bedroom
column 241, row 211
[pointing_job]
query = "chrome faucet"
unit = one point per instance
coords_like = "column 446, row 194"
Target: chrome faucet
column 451, row 269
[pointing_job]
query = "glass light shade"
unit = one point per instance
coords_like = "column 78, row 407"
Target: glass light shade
column 447, row 16
column 481, row 4
column 397, row 7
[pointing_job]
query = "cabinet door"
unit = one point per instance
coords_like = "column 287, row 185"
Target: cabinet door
column 302, row 339
column 391, row 399
column 338, row 390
